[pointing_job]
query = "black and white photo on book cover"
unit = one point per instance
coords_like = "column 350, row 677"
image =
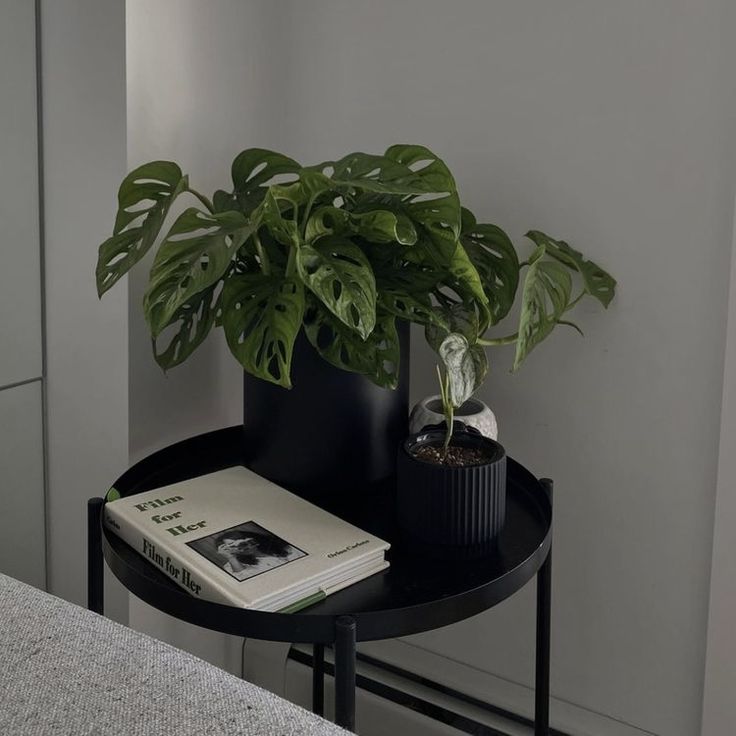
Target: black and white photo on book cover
column 246, row 550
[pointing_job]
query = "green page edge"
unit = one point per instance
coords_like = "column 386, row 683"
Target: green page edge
column 320, row 595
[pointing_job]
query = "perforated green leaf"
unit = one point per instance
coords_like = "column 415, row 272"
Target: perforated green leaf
column 261, row 317
column 339, row 274
column 415, row 307
column 377, row 357
column 465, row 280
column 189, row 327
column 377, row 174
column 404, row 289
column 545, row 296
column 437, row 208
column 412, row 182
column 253, row 171
column 144, row 199
column 427, row 167
column 268, row 213
column 494, row 257
column 195, row 254
column 597, row 282
column 378, row 226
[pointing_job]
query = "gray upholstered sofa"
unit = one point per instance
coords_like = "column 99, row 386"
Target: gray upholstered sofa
column 67, row 672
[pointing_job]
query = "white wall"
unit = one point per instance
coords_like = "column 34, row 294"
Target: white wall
column 83, row 92
column 608, row 124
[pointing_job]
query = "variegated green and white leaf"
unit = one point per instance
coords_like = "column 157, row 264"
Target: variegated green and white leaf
column 465, row 366
column 457, row 318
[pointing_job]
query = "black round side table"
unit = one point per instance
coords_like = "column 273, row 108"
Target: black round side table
column 412, row 596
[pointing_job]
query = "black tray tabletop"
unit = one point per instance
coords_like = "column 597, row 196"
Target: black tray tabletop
column 415, row 594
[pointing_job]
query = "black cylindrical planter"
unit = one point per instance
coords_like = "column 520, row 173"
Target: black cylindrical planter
column 333, row 434
column 451, row 512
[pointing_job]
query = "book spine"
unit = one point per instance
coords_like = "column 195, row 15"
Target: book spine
column 167, row 559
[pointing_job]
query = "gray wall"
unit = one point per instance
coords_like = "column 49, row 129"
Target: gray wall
column 83, row 85
column 167, row 120
column 608, row 124
column 719, row 706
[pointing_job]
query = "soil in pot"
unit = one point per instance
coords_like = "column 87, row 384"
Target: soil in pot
column 455, row 456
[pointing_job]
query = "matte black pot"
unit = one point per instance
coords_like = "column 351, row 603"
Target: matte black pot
column 448, row 512
column 333, row 434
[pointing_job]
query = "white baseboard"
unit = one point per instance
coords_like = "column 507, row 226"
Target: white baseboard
column 566, row 717
column 376, row 716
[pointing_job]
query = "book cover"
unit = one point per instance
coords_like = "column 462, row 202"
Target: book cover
column 234, row 537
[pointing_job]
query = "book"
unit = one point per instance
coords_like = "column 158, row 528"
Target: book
column 234, row 537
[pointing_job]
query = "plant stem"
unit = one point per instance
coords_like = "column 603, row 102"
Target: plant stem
column 447, row 408
column 575, row 301
column 206, row 202
column 307, row 212
column 291, row 263
column 450, row 419
column 508, row 340
column 263, row 257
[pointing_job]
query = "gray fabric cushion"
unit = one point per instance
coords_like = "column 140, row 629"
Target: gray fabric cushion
column 64, row 670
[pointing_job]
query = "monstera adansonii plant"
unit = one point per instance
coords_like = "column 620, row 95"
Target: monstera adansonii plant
column 343, row 250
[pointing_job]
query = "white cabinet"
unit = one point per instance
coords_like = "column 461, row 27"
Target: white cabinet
column 22, row 526
column 20, row 274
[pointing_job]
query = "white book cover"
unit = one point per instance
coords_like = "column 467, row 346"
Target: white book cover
column 235, row 537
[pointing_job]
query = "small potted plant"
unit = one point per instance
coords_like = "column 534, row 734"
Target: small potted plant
column 451, row 478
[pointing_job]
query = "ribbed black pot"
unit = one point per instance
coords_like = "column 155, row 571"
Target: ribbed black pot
column 333, row 434
column 451, row 512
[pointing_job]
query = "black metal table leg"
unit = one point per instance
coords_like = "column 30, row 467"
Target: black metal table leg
column 318, row 679
column 345, row 672
column 95, row 565
column 544, row 616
